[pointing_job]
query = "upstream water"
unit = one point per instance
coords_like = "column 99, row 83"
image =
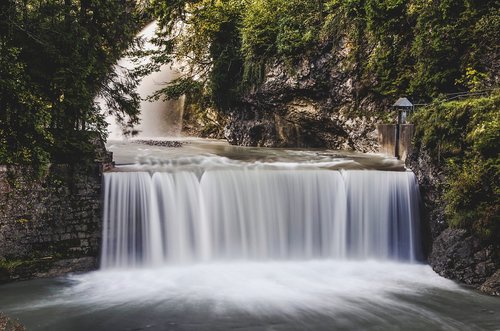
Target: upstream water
column 214, row 237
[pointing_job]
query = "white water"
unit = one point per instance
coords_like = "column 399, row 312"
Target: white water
column 281, row 295
column 258, row 214
column 258, row 239
column 326, row 286
column 157, row 118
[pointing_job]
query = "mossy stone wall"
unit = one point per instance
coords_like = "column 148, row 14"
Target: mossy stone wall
column 49, row 225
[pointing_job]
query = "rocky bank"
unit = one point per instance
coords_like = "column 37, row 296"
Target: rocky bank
column 321, row 102
column 453, row 253
column 317, row 102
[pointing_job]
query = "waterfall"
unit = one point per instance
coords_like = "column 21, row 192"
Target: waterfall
column 258, row 214
column 160, row 118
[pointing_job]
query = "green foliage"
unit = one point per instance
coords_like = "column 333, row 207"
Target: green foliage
column 177, row 88
column 203, row 34
column 56, row 57
column 23, row 116
column 420, row 48
column 11, row 265
column 389, row 28
column 260, row 29
column 227, row 43
column 283, row 28
column 464, row 136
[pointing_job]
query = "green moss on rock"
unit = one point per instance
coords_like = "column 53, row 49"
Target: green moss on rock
column 464, row 139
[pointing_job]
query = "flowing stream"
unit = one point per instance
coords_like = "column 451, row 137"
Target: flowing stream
column 213, row 237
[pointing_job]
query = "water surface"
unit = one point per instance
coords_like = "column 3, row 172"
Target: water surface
column 355, row 283
column 286, row 295
column 134, row 154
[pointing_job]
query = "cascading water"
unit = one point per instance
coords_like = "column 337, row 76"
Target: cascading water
column 258, row 214
column 159, row 118
column 216, row 237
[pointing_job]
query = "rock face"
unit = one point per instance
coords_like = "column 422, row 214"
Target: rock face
column 453, row 253
column 49, row 226
column 9, row 324
column 492, row 285
column 311, row 104
column 461, row 256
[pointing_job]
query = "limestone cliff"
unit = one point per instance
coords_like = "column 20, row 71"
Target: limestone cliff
column 317, row 102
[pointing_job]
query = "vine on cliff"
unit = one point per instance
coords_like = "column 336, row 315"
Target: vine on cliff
column 419, row 48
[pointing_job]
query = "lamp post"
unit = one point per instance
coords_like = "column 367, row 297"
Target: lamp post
column 402, row 105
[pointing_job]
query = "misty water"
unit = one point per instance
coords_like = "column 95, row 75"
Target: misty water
column 157, row 117
column 215, row 237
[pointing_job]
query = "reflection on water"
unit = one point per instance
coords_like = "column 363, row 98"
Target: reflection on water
column 309, row 295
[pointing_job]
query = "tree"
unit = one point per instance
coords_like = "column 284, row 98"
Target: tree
column 421, row 48
column 64, row 52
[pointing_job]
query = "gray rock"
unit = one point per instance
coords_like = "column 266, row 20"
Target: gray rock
column 452, row 255
column 492, row 285
column 316, row 103
column 9, row 324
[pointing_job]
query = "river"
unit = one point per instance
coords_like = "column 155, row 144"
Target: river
column 215, row 237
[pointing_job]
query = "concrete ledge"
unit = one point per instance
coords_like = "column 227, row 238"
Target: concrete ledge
column 387, row 139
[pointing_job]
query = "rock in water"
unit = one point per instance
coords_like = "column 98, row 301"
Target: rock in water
column 162, row 143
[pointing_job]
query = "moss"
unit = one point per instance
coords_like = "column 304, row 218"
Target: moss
column 464, row 139
column 40, row 262
column 23, row 220
column 11, row 265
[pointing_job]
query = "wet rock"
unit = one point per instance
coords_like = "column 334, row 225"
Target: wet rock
column 162, row 143
column 458, row 255
column 492, row 285
column 9, row 324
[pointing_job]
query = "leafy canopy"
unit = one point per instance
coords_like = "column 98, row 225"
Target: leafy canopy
column 56, row 57
column 419, row 47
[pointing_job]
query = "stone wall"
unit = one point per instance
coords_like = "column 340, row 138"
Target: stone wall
column 51, row 225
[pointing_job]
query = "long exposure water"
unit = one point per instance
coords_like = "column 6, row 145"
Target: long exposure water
column 158, row 118
column 214, row 237
column 262, row 214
